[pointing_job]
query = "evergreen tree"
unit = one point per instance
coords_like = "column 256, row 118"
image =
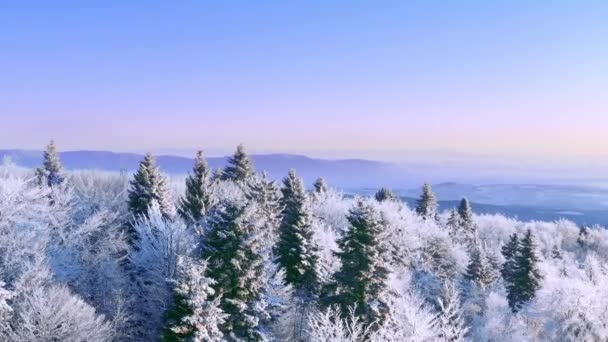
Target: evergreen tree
column 194, row 317
column 466, row 218
column 217, row 175
column 296, row 249
column 427, row 204
column 509, row 250
column 232, row 249
column 480, row 269
column 51, row 173
column 449, row 321
column 453, row 224
column 275, row 305
column 437, row 256
column 149, row 185
column 526, row 278
column 240, row 167
column 583, row 238
column 195, row 203
column 267, row 195
column 360, row 281
column 320, row 185
column 385, row 194
column 556, row 253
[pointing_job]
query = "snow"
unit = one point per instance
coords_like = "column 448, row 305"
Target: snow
column 68, row 273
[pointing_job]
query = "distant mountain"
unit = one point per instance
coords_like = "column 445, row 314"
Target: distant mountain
column 345, row 173
column 531, row 213
column 562, row 197
column 583, row 205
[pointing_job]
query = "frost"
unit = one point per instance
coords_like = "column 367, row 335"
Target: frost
column 69, row 270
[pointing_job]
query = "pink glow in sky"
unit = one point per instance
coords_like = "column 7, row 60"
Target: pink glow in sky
column 368, row 79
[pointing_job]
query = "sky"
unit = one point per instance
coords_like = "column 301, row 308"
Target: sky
column 372, row 79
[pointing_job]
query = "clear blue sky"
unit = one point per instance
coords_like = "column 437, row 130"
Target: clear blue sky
column 366, row 78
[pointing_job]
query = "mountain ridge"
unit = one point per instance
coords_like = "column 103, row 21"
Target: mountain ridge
column 339, row 172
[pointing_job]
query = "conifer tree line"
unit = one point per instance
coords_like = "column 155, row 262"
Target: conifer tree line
column 51, row 173
column 255, row 272
column 520, row 272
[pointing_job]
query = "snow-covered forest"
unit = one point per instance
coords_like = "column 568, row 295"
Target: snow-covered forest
column 230, row 255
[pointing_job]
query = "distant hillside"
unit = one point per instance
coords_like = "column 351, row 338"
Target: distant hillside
column 527, row 202
column 565, row 197
column 346, row 173
column 582, row 217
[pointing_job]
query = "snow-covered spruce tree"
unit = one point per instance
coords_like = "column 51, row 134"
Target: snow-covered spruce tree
column 267, row 196
column 453, row 224
column 449, row 320
column 195, row 203
column 320, row 185
column 276, row 298
column 427, row 204
column 385, row 194
column 240, row 167
column 480, row 269
column 194, row 316
column 583, row 239
column 466, row 219
column 51, row 173
column 556, row 253
column 509, row 250
column 526, row 277
column 296, row 250
column 232, row 246
column 148, row 185
column 216, row 175
column 360, row 281
column 275, row 307
column 437, row 257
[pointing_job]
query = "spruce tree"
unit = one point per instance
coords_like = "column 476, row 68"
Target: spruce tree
column 556, row 253
column 583, row 238
column 267, row 195
column 450, row 321
column 453, row 224
column 240, row 167
column 437, row 255
column 509, row 250
column 196, row 201
column 51, row 173
column 149, row 185
column 480, row 269
column 232, row 248
column 526, row 278
column 320, row 186
column 385, row 194
column 217, row 175
column 427, row 204
column 466, row 218
column 360, row 281
column 194, row 317
column 296, row 249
